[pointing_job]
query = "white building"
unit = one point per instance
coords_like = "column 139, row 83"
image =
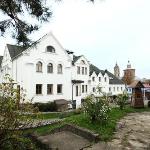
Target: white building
column 48, row 72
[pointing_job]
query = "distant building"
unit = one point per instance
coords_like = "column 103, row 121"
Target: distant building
column 129, row 74
column 117, row 71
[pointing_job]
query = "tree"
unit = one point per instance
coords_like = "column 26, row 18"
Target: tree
column 21, row 29
column 13, row 107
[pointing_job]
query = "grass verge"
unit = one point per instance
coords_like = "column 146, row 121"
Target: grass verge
column 105, row 131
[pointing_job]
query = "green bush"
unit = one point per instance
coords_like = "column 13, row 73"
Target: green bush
column 121, row 100
column 46, row 107
column 97, row 108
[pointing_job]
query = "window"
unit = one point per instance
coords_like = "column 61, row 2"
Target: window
column 38, row 88
column 78, row 70
column 50, row 68
column 77, row 91
column 82, row 88
column 121, row 88
column 82, row 70
column 49, row 88
column 39, row 66
column 93, row 78
column 50, row 49
column 109, row 89
column 86, row 88
column 105, row 79
column 59, row 69
column 94, row 89
column 82, row 62
column 114, row 89
column 59, row 88
column 85, row 71
column 117, row 88
column 99, row 79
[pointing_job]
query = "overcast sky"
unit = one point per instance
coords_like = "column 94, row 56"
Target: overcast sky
column 104, row 32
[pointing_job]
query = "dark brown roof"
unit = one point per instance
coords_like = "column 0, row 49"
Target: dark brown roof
column 136, row 83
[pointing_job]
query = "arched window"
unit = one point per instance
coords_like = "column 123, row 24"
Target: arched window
column 50, row 49
column 50, row 68
column 59, row 69
column 39, row 66
column 82, row 62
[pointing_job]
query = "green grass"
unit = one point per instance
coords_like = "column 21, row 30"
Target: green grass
column 105, row 131
column 47, row 116
column 53, row 115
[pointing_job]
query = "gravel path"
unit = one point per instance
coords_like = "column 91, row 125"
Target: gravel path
column 133, row 133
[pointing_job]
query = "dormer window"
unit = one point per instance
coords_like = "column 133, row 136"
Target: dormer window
column 105, row 79
column 50, row 49
column 82, row 62
column 93, row 78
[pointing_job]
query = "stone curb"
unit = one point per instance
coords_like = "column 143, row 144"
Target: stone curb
column 87, row 134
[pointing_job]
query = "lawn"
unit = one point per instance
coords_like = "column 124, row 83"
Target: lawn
column 53, row 115
column 105, row 131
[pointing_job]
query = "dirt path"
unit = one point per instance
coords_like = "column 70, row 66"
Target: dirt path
column 133, row 133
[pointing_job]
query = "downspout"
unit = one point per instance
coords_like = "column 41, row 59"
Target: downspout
column 72, row 94
column 16, row 70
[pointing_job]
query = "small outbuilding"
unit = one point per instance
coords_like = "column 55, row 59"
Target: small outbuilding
column 62, row 105
column 137, row 100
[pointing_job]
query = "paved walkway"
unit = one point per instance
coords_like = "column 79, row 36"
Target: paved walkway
column 64, row 140
column 133, row 133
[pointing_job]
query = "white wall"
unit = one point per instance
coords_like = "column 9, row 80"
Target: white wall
column 27, row 76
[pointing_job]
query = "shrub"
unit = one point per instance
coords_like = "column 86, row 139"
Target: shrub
column 121, row 100
column 96, row 108
column 13, row 106
column 46, row 107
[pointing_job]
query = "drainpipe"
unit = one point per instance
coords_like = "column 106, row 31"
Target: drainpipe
column 72, row 94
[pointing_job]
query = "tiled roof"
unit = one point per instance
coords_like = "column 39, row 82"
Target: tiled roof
column 1, row 58
column 96, row 70
column 112, row 79
column 75, row 58
column 136, row 83
column 14, row 50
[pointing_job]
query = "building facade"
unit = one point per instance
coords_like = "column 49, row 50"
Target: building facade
column 48, row 72
column 129, row 74
column 117, row 71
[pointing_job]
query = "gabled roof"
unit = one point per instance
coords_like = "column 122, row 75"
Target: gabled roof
column 112, row 79
column 96, row 70
column 1, row 58
column 14, row 50
column 136, row 83
column 75, row 58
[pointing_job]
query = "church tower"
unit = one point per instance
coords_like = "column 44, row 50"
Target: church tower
column 129, row 74
column 117, row 71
